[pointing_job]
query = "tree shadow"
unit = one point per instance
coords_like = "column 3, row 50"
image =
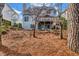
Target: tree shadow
column 37, row 37
column 9, row 52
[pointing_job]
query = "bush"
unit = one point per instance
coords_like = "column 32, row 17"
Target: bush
column 19, row 25
column 5, row 25
column 6, row 22
column 64, row 23
column 2, row 29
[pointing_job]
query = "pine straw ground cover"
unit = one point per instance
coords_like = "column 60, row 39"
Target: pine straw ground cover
column 21, row 42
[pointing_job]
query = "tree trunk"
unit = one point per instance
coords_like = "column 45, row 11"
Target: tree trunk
column 73, row 27
column 0, row 31
column 61, row 28
column 34, row 32
column 61, row 31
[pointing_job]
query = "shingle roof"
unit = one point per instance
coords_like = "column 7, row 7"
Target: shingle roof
column 35, row 10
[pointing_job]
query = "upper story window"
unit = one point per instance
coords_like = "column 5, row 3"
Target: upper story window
column 26, row 19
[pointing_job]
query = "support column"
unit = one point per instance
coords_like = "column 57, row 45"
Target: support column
column 37, row 26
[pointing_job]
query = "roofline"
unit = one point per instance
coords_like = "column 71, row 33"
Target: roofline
column 11, row 8
column 49, row 16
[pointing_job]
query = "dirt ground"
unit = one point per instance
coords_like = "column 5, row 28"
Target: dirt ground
column 22, row 43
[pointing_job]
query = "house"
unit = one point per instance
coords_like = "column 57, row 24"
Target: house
column 1, row 7
column 10, row 14
column 65, row 14
column 47, row 22
column 39, row 15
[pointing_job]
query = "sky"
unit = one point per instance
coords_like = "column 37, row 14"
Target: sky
column 18, row 6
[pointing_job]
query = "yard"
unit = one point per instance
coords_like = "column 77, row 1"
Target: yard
column 21, row 42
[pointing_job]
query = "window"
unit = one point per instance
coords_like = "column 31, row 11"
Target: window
column 26, row 19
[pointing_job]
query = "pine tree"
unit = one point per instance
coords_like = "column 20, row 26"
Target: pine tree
column 73, row 27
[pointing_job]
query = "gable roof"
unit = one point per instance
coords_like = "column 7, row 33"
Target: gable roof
column 8, row 13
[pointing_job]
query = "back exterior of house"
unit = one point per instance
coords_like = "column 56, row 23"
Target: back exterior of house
column 42, row 22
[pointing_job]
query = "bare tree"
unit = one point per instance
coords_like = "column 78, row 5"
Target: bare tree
column 61, row 25
column 35, row 12
column 59, row 10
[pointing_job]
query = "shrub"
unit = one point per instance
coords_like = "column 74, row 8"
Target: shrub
column 19, row 25
column 5, row 25
column 2, row 29
column 64, row 23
